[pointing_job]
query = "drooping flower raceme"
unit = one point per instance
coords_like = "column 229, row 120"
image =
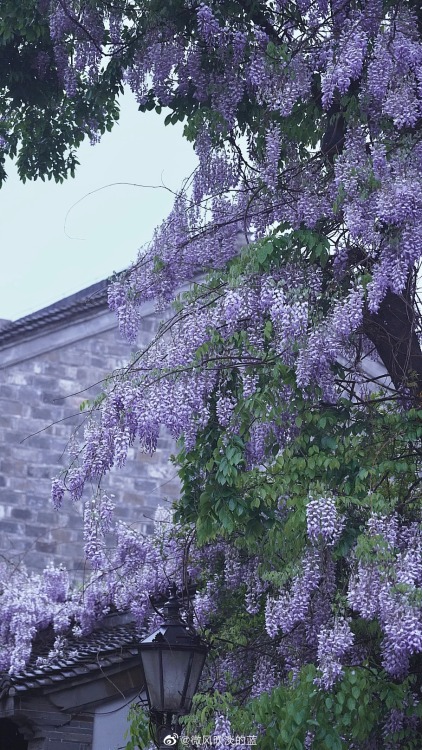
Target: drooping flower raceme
column 323, row 522
column 388, row 587
column 333, row 643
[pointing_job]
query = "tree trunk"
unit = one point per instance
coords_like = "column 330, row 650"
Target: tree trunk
column 392, row 330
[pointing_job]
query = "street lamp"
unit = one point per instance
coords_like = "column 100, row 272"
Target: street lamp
column 172, row 659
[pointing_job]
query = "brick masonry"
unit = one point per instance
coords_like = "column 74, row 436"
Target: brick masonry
column 49, row 364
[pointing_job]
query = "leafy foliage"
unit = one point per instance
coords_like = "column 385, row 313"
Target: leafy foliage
column 139, row 737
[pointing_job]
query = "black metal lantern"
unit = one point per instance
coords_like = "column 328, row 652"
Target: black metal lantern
column 172, row 659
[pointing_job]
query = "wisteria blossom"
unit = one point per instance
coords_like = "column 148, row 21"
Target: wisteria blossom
column 388, row 587
column 323, row 521
column 333, row 643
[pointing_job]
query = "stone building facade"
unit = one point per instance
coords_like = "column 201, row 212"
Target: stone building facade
column 50, row 362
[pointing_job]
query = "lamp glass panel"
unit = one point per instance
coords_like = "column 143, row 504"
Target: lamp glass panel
column 175, row 670
column 153, row 677
column 167, row 678
column 196, row 670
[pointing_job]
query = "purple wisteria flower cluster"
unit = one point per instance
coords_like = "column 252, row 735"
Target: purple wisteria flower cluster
column 292, row 607
column 303, row 612
column 387, row 586
column 29, row 603
column 333, row 643
column 323, row 522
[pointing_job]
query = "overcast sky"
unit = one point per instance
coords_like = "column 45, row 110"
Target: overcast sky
column 51, row 248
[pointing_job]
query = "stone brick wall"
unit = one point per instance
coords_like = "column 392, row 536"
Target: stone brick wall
column 35, row 724
column 44, row 372
column 75, row 735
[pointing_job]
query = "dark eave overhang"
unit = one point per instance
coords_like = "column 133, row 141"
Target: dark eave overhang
column 88, row 301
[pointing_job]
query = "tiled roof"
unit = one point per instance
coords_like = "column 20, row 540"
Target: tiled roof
column 106, row 646
column 91, row 299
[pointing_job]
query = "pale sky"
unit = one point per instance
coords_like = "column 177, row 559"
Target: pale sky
column 51, row 248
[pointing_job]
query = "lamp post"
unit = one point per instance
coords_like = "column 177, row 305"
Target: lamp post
column 172, row 659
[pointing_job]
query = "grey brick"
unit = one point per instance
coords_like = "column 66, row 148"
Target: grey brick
column 49, row 547
column 37, row 531
column 24, row 513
